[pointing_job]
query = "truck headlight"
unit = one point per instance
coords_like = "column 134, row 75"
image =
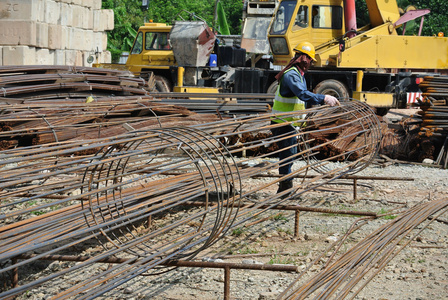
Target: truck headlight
column 279, row 45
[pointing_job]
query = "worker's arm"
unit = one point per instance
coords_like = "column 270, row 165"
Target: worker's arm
column 294, row 84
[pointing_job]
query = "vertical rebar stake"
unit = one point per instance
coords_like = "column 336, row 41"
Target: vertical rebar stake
column 355, row 183
column 226, row 283
column 296, row 224
column 15, row 274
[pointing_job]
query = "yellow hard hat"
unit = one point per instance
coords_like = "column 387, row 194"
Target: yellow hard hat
column 307, row 48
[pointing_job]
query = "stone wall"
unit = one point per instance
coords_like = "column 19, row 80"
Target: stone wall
column 53, row 32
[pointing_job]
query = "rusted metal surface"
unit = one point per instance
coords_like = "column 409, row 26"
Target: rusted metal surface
column 22, row 84
column 54, row 200
column 42, row 123
column 350, row 273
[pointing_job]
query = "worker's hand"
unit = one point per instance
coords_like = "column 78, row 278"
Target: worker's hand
column 330, row 100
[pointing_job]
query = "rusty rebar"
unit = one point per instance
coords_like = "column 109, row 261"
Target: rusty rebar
column 110, row 187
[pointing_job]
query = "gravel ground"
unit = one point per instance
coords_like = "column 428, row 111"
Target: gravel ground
column 419, row 271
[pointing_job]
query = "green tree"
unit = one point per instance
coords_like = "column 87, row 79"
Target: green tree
column 437, row 20
column 129, row 16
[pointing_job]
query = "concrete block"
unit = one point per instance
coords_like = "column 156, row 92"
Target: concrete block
column 64, row 39
column 14, row 32
column 87, row 3
column 106, row 57
column 88, row 19
column 108, row 19
column 84, row 40
column 104, row 41
column 52, row 12
column 97, row 20
column 32, row 10
column 77, row 16
column 71, row 38
column 70, row 57
column 42, row 35
column 66, row 18
column 97, row 41
column 44, row 57
column 77, row 39
column 59, row 57
column 96, row 4
column 82, row 17
column 55, row 37
column 19, row 55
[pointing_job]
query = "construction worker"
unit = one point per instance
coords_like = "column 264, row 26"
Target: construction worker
column 292, row 95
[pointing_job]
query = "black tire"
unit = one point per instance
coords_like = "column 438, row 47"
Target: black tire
column 333, row 88
column 382, row 111
column 272, row 88
column 162, row 85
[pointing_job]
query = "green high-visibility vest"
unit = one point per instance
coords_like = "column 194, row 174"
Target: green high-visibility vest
column 287, row 104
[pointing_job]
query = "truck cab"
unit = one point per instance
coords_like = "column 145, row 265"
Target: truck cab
column 152, row 52
column 317, row 22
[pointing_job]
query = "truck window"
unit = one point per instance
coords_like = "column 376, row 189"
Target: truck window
column 324, row 16
column 301, row 20
column 137, row 47
column 157, row 41
column 283, row 17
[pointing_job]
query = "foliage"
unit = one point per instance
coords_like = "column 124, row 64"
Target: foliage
column 223, row 27
column 362, row 14
column 436, row 21
column 238, row 231
column 278, row 260
column 129, row 16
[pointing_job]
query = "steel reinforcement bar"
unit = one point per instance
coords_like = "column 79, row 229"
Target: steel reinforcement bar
column 129, row 193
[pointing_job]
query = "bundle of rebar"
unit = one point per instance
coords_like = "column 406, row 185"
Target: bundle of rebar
column 58, row 121
column 435, row 88
column 346, row 276
column 25, row 84
column 137, row 194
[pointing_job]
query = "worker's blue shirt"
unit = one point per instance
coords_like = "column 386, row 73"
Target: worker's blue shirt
column 294, row 84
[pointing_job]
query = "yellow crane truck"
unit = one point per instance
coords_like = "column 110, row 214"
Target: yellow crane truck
column 373, row 64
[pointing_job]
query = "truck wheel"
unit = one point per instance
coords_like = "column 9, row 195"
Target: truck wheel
column 382, row 111
column 332, row 87
column 162, row 85
column 272, row 88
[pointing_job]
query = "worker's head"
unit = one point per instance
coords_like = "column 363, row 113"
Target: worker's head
column 305, row 55
column 306, row 48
